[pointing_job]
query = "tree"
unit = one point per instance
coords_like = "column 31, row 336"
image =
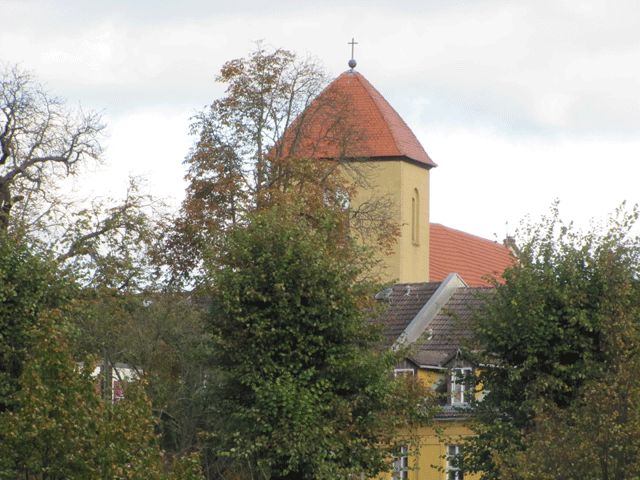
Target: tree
column 40, row 141
column 112, row 243
column 59, row 427
column 304, row 391
column 29, row 286
column 53, row 423
column 564, row 322
column 92, row 260
column 162, row 334
column 596, row 438
column 255, row 147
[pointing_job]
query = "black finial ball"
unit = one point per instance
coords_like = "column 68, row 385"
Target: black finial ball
column 352, row 63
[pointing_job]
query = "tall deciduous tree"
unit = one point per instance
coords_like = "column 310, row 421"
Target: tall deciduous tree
column 305, row 393
column 228, row 167
column 564, row 322
column 255, row 148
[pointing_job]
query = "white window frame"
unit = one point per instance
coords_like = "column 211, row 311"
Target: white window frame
column 400, row 372
column 453, row 472
column 459, row 391
column 401, row 465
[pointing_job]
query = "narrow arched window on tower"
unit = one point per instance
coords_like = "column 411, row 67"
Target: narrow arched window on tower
column 415, row 217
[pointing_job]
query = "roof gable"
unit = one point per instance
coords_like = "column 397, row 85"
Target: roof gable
column 434, row 319
column 451, row 327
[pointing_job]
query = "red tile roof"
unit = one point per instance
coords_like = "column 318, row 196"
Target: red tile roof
column 379, row 130
column 473, row 258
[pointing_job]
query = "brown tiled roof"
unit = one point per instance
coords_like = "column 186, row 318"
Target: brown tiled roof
column 450, row 328
column 473, row 258
column 378, row 130
column 404, row 302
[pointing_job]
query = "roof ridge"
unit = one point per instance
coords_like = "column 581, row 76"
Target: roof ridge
column 382, row 105
column 385, row 107
column 370, row 89
column 467, row 234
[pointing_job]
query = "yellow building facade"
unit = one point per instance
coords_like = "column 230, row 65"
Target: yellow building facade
column 429, row 458
column 404, row 186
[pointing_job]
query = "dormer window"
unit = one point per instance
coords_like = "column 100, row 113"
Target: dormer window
column 460, row 390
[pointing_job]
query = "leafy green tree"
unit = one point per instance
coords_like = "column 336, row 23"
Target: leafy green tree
column 49, row 431
column 163, row 335
column 29, row 286
column 60, row 428
column 564, row 321
column 305, row 393
column 596, row 438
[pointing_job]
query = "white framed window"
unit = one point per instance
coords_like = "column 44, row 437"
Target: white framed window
column 403, row 372
column 461, row 391
column 401, row 465
column 454, row 472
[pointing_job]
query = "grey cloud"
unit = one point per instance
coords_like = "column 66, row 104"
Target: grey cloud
column 532, row 67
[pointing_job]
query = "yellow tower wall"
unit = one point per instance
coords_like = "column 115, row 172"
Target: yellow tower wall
column 404, row 187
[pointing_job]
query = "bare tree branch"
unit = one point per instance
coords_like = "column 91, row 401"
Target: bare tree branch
column 41, row 141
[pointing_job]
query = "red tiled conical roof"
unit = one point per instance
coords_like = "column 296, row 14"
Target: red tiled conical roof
column 379, row 130
column 473, row 258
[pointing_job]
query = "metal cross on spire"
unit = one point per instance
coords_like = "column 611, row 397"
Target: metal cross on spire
column 352, row 62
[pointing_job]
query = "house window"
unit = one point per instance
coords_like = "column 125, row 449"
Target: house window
column 415, row 217
column 403, row 372
column 454, row 472
column 401, row 465
column 461, row 391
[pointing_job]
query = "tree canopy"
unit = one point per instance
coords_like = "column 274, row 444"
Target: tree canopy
column 305, row 392
column 563, row 324
column 71, row 279
column 53, row 422
column 43, row 142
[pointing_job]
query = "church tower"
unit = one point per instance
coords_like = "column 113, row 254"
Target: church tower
column 395, row 166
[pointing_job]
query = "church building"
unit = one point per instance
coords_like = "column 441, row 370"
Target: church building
column 437, row 271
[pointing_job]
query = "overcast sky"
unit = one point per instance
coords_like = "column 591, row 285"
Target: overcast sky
column 518, row 102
